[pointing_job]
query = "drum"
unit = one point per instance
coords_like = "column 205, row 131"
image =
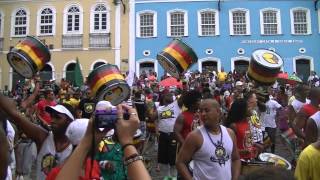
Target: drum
column 28, row 57
column 177, row 57
column 249, row 166
column 107, row 83
column 264, row 66
column 275, row 160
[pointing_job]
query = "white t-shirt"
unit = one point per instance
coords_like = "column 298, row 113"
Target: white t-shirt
column 268, row 117
column 49, row 158
column 167, row 117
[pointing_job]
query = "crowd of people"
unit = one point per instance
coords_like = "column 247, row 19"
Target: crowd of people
column 209, row 126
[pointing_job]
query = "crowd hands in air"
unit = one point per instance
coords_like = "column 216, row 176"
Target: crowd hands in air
column 202, row 137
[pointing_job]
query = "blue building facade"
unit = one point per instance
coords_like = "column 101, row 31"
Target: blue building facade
column 224, row 34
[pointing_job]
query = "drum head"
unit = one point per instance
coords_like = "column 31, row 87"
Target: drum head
column 20, row 65
column 267, row 58
column 277, row 160
column 168, row 66
column 115, row 93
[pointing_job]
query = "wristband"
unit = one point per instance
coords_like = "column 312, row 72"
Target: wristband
column 131, row 156
column 129, row 161
column 126, row 145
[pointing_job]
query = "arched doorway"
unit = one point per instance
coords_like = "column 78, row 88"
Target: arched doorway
column 46, row 73
column 241, row 66
column 146, row 67
column 209, row 66
column 70, row 72
column 97, row 64
column 303, row 69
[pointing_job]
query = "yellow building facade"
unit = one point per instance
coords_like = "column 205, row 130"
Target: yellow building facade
column 92, row 31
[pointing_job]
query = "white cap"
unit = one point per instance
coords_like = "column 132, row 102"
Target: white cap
column 226, row 93
column 103, row 105
column 239, row 83
column 76, row 130
column 59, row 109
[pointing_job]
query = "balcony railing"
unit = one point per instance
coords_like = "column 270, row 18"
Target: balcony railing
column 72, row 41
column 1, row 44
column 100, row 40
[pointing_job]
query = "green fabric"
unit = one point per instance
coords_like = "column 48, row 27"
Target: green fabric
column 78, row 78
column 113, row 154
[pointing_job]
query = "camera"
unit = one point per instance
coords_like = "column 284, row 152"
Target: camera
column 106, row 115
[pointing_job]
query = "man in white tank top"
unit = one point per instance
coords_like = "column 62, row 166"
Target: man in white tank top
column 212, row 148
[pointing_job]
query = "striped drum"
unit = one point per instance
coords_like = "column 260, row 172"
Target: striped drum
column 107, row 83
column 28, row 57
column 264, row 66
column 177, row 57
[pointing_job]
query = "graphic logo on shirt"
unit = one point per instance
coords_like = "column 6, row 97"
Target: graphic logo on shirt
column 88, row 107
column 47, row 163
column 247, row 139
column 221, row 155
column 255, row 121
column 167, row 114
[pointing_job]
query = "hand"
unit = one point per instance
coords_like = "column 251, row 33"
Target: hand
column 126, row 129
column 99, row 135
column 109, row 166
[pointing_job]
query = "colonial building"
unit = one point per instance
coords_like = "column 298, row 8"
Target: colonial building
column 224, row 33
column 94, row 31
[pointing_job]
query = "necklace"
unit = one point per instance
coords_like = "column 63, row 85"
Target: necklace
column 220, row 151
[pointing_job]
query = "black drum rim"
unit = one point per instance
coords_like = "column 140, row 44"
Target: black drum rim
column 31, row 65
column 172, row 73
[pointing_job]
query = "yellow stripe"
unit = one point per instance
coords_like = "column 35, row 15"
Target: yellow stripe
column 261, row 78
column 105, row 80
column 32, row 55
column 177, row 56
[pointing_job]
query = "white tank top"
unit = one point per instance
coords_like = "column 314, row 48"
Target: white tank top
column 207, row 166
column 49, row 158
column 316, row 119
column 297, row 105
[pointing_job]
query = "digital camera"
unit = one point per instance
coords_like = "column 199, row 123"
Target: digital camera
column 108, row 118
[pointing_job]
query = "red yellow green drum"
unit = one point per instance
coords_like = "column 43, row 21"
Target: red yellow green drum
column 29, row 56
column 177, row 57
column 107, row 83
column 264, row 66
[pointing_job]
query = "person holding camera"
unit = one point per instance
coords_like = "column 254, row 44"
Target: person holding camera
column 125, row 130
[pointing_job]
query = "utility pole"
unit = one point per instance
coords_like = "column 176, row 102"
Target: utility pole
column 117, row 31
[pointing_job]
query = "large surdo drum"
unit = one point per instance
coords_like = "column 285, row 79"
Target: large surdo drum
column 28, row 57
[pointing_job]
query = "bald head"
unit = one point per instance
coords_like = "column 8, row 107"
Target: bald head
column 211, row 102
column 314, row 94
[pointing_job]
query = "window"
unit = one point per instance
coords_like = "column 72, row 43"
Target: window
column 177, row 23
column 73, row 20
column 147, row 24
column 100, row 19
column 270, row 21
column 239, row 22
column 20, row 23
column 300, row 21
column 46, row 21
column 208, row 22
column 1, row 24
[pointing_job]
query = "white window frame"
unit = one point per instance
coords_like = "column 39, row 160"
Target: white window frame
column 13, row 15
column 185, row 22
column 247, row 21
column 2, row 23
column 65, row 20
column 54, row 12
column 278, row 14
column 309, row 31
column 155, row 23
column 92, row 12
column 217, row 26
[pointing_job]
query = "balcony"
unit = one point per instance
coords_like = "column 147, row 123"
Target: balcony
column 1, row 44
column 72, row 41
column 101, row 40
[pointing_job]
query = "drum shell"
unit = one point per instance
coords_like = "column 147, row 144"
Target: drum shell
column 34, row 54
column 106, row 77
column 179, row 56
column 248, row 167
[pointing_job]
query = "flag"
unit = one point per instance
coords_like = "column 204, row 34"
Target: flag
column 78, row 78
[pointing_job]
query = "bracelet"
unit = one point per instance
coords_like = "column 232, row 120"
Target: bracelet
column 126, row 145
column 129, row 161
column 131, row 156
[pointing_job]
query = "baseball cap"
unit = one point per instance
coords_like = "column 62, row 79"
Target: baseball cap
column 76, row 130
column 60, row 109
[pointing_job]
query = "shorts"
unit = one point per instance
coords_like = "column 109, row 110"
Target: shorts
column 143, row 128
column 167, row 148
